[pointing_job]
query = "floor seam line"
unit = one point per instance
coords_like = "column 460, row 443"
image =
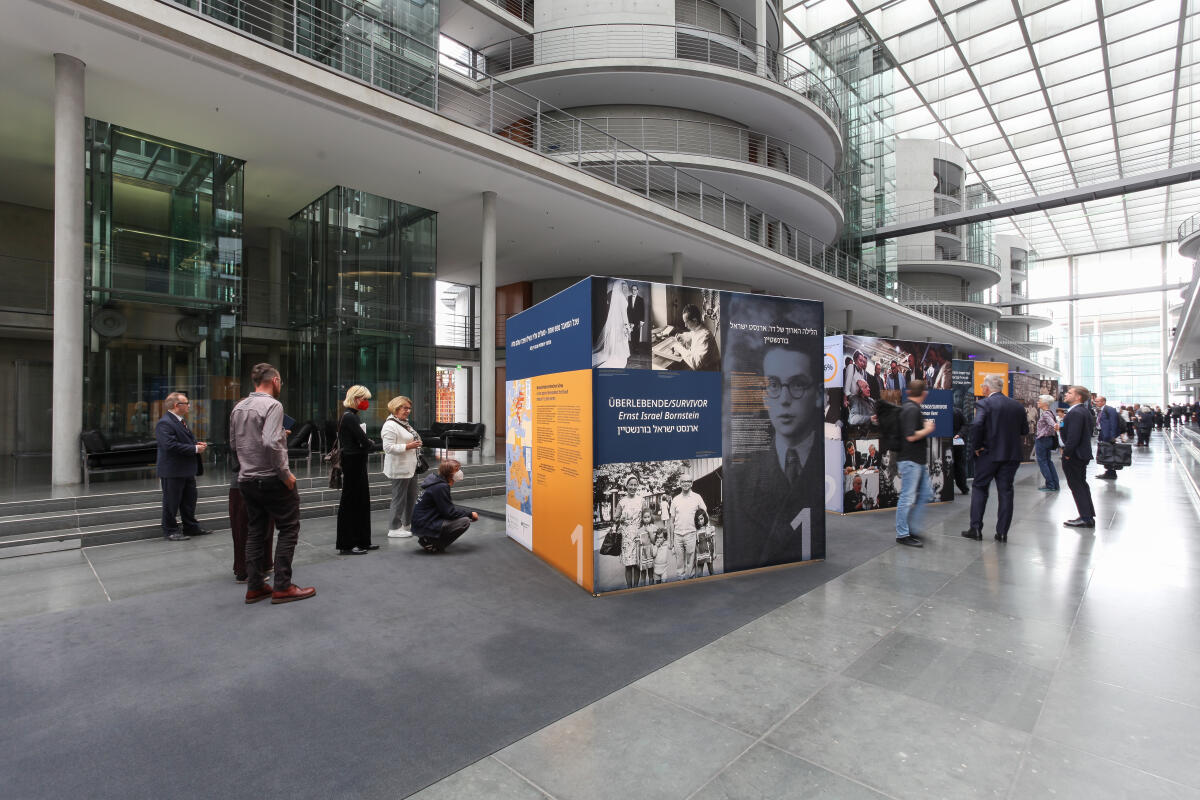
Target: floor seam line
column 514, row 771
column 93, row 569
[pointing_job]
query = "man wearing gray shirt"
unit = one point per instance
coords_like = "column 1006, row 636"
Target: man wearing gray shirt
column 268, row 486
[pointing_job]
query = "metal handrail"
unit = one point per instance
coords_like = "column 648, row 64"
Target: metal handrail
column 693, row 137
column 969, row 255
column 674, row 42
column 701, row 13
column 517, row 116
column 521, row 9
column 1189, row 226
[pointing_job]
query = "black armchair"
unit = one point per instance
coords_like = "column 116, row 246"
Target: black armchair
column 100, row 456
column 453, row 435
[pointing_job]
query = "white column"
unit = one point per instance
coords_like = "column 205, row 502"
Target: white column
column 1164, row 325
column 849, row 321
column 677, row 269
column 895, row 331
column 278, row 315
column 487, row 326
column 760, row 33
column 67, row 385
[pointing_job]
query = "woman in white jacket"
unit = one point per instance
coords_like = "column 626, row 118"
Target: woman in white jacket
column 400, row 441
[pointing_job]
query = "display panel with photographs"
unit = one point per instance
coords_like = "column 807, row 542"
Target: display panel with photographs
column 1024, row 388
column 772, row 406
column 657, row 522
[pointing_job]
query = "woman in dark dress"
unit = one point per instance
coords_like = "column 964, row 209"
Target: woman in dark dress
column 354, row 510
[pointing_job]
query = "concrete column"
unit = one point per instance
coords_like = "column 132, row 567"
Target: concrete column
column 760, row 33
column 1164, row 322
column 278, row 314
column 895, row 331
column 677, row 269
column 487, row 325
column 67, row 413
column 849, row 321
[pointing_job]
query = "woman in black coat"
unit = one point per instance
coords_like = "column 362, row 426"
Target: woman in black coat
column 354, row 510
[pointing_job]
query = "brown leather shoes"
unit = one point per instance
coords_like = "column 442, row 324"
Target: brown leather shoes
column 293, row 593
column 254, row 595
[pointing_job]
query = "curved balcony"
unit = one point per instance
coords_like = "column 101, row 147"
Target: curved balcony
column 975, row 305
column 980, row 268
column 692, row 67
column 1189, row 237
column 782, row 178
column 1022, row 317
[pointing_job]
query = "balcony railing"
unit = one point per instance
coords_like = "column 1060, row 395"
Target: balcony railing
column 929, row 253
column 955, row 296
column 1189, row 226
column 712, row 17
column 510, row 113
column 692, row 137
column 521, row 9
column 675, row 42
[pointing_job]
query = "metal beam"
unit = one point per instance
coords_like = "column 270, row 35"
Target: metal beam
column 1029, row 205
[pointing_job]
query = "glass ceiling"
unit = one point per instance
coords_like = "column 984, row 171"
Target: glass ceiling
column 1045, row 95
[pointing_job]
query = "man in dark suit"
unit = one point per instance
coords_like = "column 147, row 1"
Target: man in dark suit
column 996, row 433
column 1076, row 453
column 774, row 499
column 637, row 316
column 178, row 464
column 1109, row 421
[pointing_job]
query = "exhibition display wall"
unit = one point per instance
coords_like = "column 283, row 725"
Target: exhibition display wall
column 1025, row 388
column 658, row 433
column 859, row 373
column 968, row 385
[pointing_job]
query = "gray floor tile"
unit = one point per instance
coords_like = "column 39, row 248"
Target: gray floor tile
column 1164, row 672
column 828, row 642
column 1033, row 642
column 765, row 773
column 900, row 745
column 940, row 554
column 153, row 572
column 1159, row 616
column 42, row 561
column 742, row 687
column 1157, row 736
column 630, row 744
column 1052, row 770
column 860, row 602
column 60, row 597
column 906, row 580
column 487, row 779
column 995, row 689
column 1055, row 604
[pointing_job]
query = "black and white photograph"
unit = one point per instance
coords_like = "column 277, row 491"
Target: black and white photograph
column 621, row 324
column 685, row 328
column 876, row 369
column 657, row 522
column 773, row 407
column 862, row 491
column 941, row 469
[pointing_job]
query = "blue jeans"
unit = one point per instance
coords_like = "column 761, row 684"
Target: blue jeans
column 915, row 492
column 1041, row 447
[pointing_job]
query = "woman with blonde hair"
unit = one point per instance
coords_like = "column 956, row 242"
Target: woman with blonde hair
column 400, row 443
column 354, row 510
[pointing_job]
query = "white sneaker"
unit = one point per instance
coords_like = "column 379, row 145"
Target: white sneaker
column 399, row 533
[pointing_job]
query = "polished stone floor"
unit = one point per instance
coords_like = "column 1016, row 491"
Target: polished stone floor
column 1063, row 664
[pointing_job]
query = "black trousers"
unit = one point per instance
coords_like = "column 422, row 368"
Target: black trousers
column 354, row 510
column 269, row 498
column 1076, row 471
column 1003, row 472
column 451, row 530
column 179, row 500
column 239, row 524
column 960, row 467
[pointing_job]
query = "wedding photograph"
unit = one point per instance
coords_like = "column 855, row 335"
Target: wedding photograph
column 620, row 325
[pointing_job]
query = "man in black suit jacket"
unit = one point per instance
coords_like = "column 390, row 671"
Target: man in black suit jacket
column 1076, row 453
column 774, row 499
column 178, row 464
column 996, row 433
column 637, row 315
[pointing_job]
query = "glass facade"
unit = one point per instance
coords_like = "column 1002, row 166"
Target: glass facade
column 361, row 307
column 163, row 271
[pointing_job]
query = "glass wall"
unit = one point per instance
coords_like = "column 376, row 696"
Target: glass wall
column 163, row 249
column 1119, row 347
column 361, row 311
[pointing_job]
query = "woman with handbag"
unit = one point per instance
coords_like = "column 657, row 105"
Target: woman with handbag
column 354, row 510
column 1046, row 441
column 401, row 444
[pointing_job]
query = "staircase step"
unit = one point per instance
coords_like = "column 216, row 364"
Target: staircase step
column 124, row 524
